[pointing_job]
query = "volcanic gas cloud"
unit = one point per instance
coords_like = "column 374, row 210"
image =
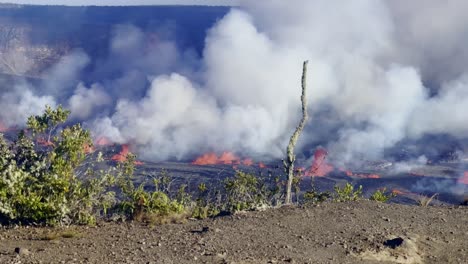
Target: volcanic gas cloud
column 380, row 72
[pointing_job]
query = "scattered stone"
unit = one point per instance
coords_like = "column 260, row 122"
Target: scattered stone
column 22, row 251
column 394, row 243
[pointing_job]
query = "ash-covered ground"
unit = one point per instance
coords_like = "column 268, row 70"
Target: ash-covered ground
column 441, row 179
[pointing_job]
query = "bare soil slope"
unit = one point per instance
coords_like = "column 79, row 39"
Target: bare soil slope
column 358, row 232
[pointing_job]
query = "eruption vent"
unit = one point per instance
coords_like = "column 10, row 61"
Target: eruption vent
column 464, row 179
column 226, row 158
column 373, row 85
column 122, row 155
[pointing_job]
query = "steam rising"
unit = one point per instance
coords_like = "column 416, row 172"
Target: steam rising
column 379, row 72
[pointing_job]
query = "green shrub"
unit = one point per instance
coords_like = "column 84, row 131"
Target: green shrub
column 347, row 193
column 381, row 195
column 139, row 204
column 38, row 182
column 313, row 196
column 244, row 191
column 204, row 206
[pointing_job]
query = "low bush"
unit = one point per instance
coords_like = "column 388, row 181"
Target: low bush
column 39, row 174
column 314, row 196
column 347, row 193
column 381, row 195
column 136, row 203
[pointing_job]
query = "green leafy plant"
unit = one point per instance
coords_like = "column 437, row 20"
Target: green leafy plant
column 204, row 207
column 140, row 204
column 245, row 191
column 381, row 195
column 347, row 193
column 314, row 196
column 39, row 173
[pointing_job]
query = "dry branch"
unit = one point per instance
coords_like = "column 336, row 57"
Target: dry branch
column 289, row 162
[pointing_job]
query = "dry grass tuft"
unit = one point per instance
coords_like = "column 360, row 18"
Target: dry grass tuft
column 426, row 200
column 157, row 219
column 57, row 234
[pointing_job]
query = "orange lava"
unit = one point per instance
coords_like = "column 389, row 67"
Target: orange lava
column 464, row 179
column 320, row 167
column 398, row 192
column 122, row 155
column 365, row 176
column 247, row 162
column 226, row 158
column 88, row 149
column 44, row 142
column 361, row 175
column 103, row 141
column 3, row 127
column 206, row 159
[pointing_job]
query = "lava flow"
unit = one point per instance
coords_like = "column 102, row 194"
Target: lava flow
column 88, row 149
column 3, row 128
column 398, row 192
column 44, row 142
column 103, row 141
column 464, row 179
column 321, row 168
column 122, row 155
column 362, row 175
column 227, row 158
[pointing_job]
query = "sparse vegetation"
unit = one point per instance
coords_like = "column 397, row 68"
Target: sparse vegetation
column 426, row 200
column 140, row 204
column 203, row 206
column 246, row 192
column 381, row 195
column 314, row 196
column 347, row 193
column 39, row 174
column 48, row 176
column 57, row 234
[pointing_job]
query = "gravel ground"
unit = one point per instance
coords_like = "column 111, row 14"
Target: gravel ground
column 357, row 232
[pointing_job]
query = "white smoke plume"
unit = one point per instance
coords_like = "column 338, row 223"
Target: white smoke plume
column 22, row 102
column 85, row 101
column 379, row 72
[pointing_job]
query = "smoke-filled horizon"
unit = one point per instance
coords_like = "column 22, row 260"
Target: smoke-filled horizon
column 379, row 72
column 123, row 2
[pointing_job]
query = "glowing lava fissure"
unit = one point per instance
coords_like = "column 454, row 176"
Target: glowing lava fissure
column 321, row 167
column 362, row 175
column 44, row 142
column 226, row 158
column 103, row 141
column 3, row 127
column 88, row 149
column 122, row 155
column 464, row 178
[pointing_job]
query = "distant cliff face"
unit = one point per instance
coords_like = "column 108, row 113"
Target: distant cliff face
column 32, row 38
column 18, row 56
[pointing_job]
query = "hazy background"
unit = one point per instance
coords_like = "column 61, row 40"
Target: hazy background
column 123, row 2
column 175, row 82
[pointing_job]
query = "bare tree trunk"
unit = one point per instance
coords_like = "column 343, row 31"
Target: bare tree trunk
column 289, row 162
